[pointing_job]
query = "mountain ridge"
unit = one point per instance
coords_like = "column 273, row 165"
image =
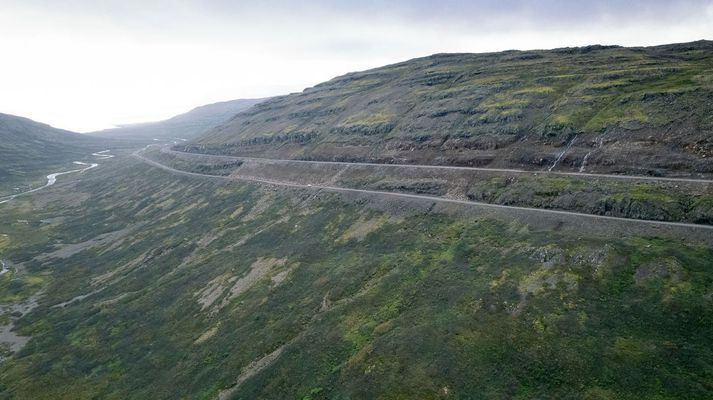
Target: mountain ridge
column 167, row 274
column 185, row 125
column 642, row 110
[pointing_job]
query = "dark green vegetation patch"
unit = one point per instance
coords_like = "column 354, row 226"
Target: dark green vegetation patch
column 199, row 282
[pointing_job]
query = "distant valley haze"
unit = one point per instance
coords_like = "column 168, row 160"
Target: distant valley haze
column 85, row 66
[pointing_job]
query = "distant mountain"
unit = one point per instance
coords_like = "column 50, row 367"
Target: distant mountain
column 597, row 108
column 22, row 139
column 185, row 126
column 28, row 149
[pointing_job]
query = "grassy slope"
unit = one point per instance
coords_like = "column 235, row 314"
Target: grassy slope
column 387, row 305
column 645, row 110
column 30, row 150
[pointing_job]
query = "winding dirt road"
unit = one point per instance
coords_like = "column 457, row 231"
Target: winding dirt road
column 449, row 167
column 139, row 156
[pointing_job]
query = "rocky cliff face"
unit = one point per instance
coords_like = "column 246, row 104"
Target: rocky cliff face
column 604, row 109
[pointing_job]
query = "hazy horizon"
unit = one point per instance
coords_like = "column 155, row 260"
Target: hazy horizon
column 83, row 66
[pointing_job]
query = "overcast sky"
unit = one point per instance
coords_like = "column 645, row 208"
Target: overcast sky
column 88, row 64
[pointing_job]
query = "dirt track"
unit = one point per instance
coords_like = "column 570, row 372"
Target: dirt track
column 446, row 167
column 592, row 217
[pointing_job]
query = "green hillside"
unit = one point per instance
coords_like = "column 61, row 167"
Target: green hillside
column 164, row 274
column 30, row 150
column 613, row 109
column 157, row 286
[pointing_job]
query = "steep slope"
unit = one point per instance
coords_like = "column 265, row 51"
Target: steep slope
column 606, row 109
column 185, row 126
column 28, row 149
column 143, row 284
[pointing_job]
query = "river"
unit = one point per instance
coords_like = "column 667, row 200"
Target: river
column 52, row 178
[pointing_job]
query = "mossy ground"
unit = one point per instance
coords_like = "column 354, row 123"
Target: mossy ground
column 426, row 305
